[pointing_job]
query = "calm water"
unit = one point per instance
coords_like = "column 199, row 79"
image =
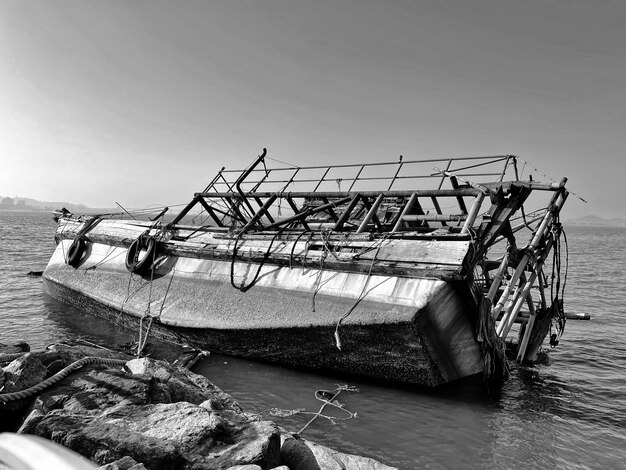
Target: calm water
column 569, row 414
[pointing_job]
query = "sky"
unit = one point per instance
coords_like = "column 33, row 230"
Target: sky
column 141, row 102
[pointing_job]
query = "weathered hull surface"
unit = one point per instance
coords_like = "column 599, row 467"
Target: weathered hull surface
column 403, row 329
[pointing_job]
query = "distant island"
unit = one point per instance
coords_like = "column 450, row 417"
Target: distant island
column 26, row 204
column 595, row 221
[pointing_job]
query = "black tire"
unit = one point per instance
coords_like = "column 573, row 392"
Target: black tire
column 76, row 252
column 136, row 265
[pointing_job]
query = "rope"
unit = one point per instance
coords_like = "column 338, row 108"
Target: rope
column 242, row 287
column 142, row 344
column 378, row 245
column 11, row 357
column 359, row 298
column 318, row 284
column 294, row 247
column 318, row 278
column 320, row 395
column 28, row 392
column 546, row 176
column 326, row 402
column 284, row 163
column 492, row 347
column 557, row 290
column 104, row 260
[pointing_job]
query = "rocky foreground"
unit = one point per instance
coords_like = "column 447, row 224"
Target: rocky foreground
column 124, row 413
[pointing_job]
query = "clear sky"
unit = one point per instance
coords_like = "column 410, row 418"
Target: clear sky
column 142, row 101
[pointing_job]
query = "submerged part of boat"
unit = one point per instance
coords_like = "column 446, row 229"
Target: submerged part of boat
column 410, row 274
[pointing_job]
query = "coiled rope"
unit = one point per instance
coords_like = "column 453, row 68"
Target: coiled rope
column 28, row 392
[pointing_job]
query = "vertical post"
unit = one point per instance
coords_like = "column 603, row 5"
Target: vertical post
column 455, row 185
column 471, row 217
column 443, row 178
column 321, row 179
column 404, row 212
column 346, row 214
column 506, row 165
column 356, row 178
column 437, row 208
column 396, row 175
column 371, row 214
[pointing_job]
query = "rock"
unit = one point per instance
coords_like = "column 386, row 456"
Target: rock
column 154, row 415
column 189, row 357
column 300, row 454
column 108, row 414
column 22, row 373
column 71, row 353
column 182, row 384
column 22, row 346
column 125, row 463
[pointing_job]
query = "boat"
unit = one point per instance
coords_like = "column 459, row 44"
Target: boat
column 420, row 272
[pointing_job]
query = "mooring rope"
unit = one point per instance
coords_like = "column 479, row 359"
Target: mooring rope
column 363, row 294
column 320, row 395
column 28, row 392
column 318, row 279
column 11, row 357
column 557, row 293
column 359, row 298
column 331, row 402
column 141, row 344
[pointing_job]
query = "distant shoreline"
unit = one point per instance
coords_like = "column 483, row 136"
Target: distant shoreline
column 595, row 221
column 25, row 209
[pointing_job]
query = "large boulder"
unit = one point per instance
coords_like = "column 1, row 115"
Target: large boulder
column 182, row 384
column 157, row 414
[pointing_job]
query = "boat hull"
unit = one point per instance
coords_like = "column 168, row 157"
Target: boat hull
column 411, row 330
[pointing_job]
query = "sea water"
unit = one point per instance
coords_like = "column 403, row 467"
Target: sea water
column 570, row 413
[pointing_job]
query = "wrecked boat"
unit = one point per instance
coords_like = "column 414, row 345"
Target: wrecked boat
column 420, row 272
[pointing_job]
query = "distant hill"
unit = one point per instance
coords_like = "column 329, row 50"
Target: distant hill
column 26, row 204
column 594, row 220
